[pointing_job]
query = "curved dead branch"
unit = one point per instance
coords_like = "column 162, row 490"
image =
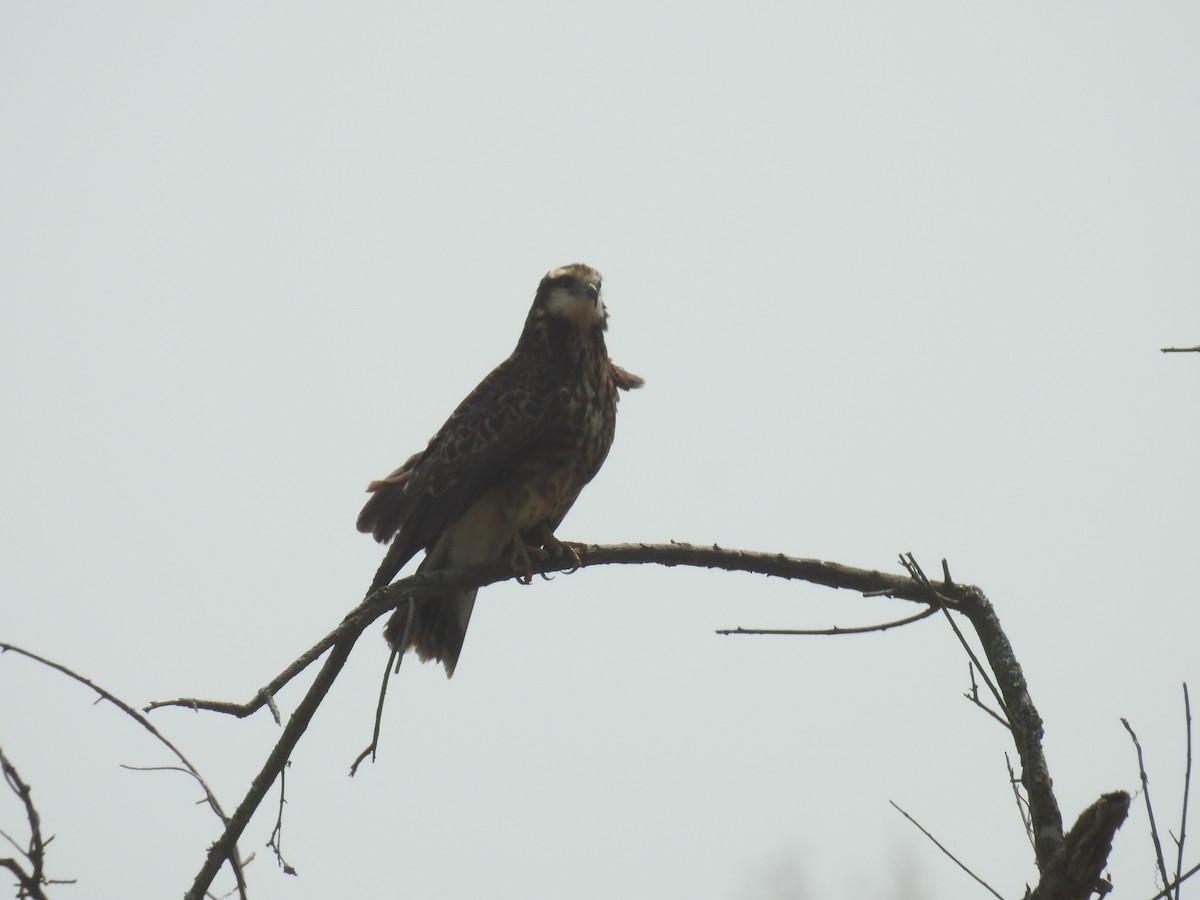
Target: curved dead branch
column 1054, row 856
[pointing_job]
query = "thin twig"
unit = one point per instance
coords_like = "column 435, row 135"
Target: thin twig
column 1022, row 803
column 387, row 676
column 836, row 629
column 914, row 569
column 1187, row 786
column 1181, row 349
column 31, row 882
column 973, row 696
column 938, row 844
column 264, row 696
column 1158, row 852
column 275, row 842
column 1165, row 893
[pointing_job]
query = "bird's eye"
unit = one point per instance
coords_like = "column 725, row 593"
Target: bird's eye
column 593, row 291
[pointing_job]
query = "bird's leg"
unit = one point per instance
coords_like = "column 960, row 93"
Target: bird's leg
column 520, row 561
column 520, row 556
column 557, row 549
column 546, row 546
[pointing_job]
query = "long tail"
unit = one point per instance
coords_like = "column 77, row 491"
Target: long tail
column 433, row 626
column 436, row 626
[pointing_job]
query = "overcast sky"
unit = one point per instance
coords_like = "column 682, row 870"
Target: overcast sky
column 897, row 276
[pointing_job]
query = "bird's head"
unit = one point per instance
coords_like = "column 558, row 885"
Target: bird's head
column 573, row 292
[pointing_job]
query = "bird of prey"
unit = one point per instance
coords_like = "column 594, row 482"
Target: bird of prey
column 496, row 480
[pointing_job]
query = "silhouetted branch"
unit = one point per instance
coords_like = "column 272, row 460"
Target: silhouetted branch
column 276, row 760
column 836, row 629
column 914, row 569
column 1022, row 803
column 1187, row 788
column 1009, row 685
column 30, row 874
column 833, row 575
column 1158, row 852
column 938, row 844
column 1181, row 349
column 275, row 841
column 340, row 641
column 1024, row 721
column 973, row 696
column 210, row 798
column 372, row 747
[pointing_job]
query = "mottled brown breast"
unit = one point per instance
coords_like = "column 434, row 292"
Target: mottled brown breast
column 547, row 481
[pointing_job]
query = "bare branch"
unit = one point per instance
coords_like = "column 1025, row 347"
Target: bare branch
column 1022, row 803
column 956, row 860
column 275, row 842
column 276, row 760
column 209, row 796
column 340, row 641
column 30, row 882
column 973, row 696
column 1162, row 866
column 1181, row 349
column 1187, row 787
column 387, row 676
column 674, row 554
column 264, row 696
column 918, row 574
column 1024, row 721
column 1011, row 690
column 836, row 629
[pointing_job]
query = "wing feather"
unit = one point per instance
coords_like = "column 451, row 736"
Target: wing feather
column 501, row 418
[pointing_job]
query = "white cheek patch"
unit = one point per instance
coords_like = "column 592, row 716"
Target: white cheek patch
column 573, row 306
column 560, row 301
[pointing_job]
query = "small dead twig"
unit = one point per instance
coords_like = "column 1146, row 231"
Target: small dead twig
column 1158, row 852
column 938, row 844
column 275, row 842
column 973, row 696
column 264, row 696
column 836, row 629
column 397, row 657
column 914, row 569
column 1022, row 803
column 1180, row 349
column 372, row 747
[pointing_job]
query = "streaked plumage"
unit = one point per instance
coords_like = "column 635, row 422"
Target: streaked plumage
column 510, row 461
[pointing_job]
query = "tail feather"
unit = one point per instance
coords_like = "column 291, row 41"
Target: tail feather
column 437, row 630
column 436, row 626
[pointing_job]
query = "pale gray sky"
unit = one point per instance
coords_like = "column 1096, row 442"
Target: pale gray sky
column 896, row 275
